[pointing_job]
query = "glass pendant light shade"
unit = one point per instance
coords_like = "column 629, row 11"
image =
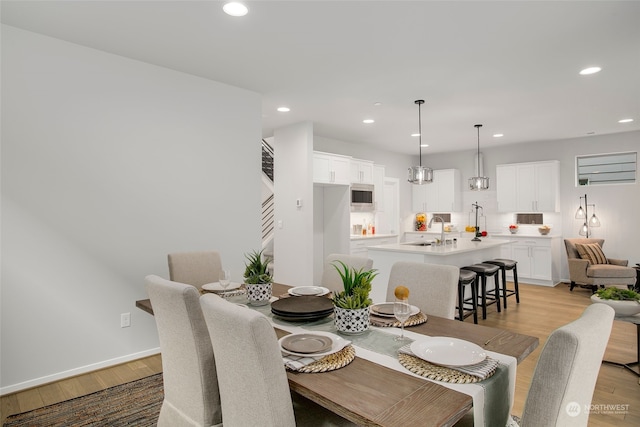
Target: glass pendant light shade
column 478, row 182
column 584, row 230
column 594, row 221
column 420, row 174
column 580, row 213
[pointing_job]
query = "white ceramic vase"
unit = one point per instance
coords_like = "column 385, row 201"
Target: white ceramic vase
column 622, row 308
column 351, row 321
column 259, row 293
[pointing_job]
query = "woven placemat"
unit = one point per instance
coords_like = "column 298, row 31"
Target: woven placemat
column 331, row 362
column 436, row 372
column 384, row 322
column 228, row 294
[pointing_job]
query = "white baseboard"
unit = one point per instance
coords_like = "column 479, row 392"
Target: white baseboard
column 77, row 371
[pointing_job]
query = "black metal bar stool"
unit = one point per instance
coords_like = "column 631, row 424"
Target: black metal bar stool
column 483, row 271
column 507, row 264
column 467, row 277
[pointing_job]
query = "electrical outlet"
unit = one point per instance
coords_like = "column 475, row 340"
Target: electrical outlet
column 125, row 320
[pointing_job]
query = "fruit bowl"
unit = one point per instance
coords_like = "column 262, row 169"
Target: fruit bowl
column 544, row 230
column 513, row 230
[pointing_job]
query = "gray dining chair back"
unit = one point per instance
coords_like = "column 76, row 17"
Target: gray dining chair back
column 195, row 268
column 432, row 288
column 254, row 389
column 565, row 376
column 191, row 396
column 330, row 276
column 253, row 383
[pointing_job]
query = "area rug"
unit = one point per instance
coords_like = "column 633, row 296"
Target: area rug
column 133, row 404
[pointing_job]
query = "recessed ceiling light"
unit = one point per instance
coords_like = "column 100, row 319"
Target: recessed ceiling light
column 284, row 109
column 377, row 104
column 415, row 134
column 368, row 121
column 591, row 133
column 590, row 70
column 235, row 9
column 625, row 121
column 498, row 135
column 424, row 145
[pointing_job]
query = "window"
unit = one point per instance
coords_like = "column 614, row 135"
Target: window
column 618, row 168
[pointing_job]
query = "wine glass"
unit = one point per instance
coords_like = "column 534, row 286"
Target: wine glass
column 225, row 280
column 402, row 311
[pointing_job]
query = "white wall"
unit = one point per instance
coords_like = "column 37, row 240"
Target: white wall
column 108, row 164
column 293, row 180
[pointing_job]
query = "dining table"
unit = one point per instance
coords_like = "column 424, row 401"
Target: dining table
column 374, row 390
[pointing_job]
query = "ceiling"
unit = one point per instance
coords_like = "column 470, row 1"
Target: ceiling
column 511, row 66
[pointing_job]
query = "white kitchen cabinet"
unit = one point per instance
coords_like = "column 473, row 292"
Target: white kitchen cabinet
column 331, row 168
column 442, row 195
column 537, row 259
column 361, row 171
column 528, row 187
column 378, row 182
column 359, row 246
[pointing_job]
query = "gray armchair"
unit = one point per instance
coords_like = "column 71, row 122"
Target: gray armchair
column 582, row 272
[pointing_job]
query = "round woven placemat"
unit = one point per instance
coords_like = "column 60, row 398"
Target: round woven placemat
column 436, row 372
column 331, row 362
column 416, row 319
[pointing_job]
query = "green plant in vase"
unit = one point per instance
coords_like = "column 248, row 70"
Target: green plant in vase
column 257, row 278
column 356, row 287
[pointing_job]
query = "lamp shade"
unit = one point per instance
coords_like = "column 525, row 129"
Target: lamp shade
column 584, row 230
column 594, row 221
column 420, row 175
column 479, row 183
column 580, row 213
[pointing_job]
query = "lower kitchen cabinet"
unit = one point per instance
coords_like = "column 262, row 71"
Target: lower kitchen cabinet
column 359, row 246
column 538, row 259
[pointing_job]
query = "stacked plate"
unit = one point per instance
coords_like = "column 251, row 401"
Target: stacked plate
column 308, row 290
column 448, row 351
column 385, row 309
column 302, row 308
column 217, row 287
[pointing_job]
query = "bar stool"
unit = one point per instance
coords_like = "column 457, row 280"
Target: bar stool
column 507, row 264
column 467, row 277
column 483, row 271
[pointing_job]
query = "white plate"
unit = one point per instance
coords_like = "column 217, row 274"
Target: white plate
column 387, row 309
column 216, row 287
column 337, row 344
column 308, row 290
column 448, row 351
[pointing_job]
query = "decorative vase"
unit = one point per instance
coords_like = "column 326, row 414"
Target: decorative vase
column 258, row 293
column 622, row 308
column 351, row 321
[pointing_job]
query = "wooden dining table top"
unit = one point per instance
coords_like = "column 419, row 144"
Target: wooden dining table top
column 369, row 394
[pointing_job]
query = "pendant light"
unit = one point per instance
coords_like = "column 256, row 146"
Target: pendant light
column 478, row 182
column 420, row 174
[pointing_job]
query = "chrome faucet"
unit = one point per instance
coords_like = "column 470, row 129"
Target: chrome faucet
column 442, row 232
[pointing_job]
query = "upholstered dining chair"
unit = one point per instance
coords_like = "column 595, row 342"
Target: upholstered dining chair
column 565, row 376
column 191, row 396
column 195, row 268
column 432, row 288
column 592, row 268
column 330, row 276
column 254, row 389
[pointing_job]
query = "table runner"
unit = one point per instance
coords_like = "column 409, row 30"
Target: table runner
column 377, row 345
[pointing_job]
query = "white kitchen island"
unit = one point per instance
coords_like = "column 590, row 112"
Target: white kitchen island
column 464, row 252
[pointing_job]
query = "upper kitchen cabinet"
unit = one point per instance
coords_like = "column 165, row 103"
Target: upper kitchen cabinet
column 442, row 195
column 528, row 187
column 361, row 171
column 331, row 168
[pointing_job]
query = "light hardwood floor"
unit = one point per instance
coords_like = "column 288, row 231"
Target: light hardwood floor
column 541, row 310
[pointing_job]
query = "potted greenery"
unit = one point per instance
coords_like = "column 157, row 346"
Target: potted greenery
column 351, row 305
column 257, row 278
column 625, row 302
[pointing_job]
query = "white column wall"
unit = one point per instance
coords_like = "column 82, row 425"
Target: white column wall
column 293, row 180
column 108, row 164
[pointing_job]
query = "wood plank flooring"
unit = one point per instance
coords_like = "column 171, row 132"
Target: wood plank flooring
column 541, row 310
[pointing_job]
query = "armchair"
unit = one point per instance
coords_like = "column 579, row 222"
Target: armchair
column 581, row 271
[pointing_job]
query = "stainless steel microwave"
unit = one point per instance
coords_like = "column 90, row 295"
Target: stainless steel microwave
column 362, row 197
